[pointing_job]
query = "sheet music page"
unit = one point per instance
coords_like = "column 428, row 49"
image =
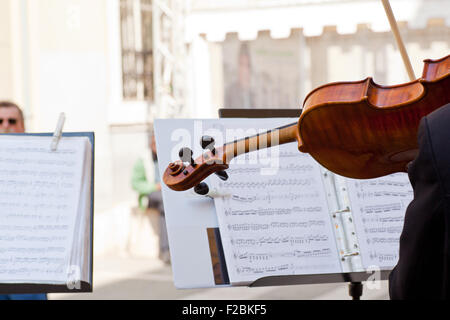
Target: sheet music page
column 81, row 249
column 39, row 197
column 275, row 220
column 379, row 207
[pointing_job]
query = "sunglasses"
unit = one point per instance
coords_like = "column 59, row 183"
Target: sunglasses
column 11, row 121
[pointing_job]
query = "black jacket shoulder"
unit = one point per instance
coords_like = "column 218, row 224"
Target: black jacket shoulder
column 438, row 127
column 423, row 268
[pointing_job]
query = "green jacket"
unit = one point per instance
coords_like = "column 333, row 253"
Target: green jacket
column 140, row 184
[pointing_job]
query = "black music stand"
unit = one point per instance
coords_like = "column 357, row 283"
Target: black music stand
column 354, row 278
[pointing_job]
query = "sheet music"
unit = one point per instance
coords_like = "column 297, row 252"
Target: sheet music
column 274, row 224
column 39, row 196
column 379, row 207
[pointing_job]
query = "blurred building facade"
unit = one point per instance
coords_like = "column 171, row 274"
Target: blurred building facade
column 113, row 66
column 278, row 51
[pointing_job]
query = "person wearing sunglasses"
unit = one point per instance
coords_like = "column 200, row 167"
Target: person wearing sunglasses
column 12, row 121
column 11, row 118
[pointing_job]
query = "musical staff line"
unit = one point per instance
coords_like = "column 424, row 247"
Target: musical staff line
column 274, row 225
column 251, row 242
column 252, row 256
column 396, row 229
column 382, row 208
column 273, row 211
column 268, row 183
column 269, row 197
column 255, row 170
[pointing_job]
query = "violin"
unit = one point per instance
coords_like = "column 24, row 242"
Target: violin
column 355, row 129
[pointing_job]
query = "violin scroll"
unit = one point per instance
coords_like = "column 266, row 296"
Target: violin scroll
column 187, row 173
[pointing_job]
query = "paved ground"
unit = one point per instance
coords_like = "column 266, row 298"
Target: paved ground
column 125, row 277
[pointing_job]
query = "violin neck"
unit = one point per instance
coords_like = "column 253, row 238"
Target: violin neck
column 271, row 138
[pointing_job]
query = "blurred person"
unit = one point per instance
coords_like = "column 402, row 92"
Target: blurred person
column 423, row 268
column 240, row 94
column 12, row 121
column 11, row 118
column 151, row 190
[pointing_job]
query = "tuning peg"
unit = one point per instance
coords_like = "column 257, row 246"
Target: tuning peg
column 186, row 155
column 207, row 142
column 201, row 189
column 222, row 175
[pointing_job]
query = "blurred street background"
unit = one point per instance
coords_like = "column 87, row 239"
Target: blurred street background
column 114, row 66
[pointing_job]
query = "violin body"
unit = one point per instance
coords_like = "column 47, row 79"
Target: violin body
column 363, row 130
column 358, row 129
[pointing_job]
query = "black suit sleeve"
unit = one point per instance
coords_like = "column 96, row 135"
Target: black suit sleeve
column 420, row 271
